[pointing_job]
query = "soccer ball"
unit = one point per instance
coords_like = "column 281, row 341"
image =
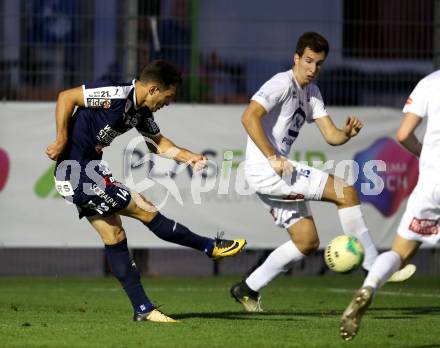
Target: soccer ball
column 344, row 254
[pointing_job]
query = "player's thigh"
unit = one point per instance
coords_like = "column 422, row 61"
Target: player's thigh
column 406, row 248
column 109, row 228
column 304, row 234
column 304, row 183
column 139, row 208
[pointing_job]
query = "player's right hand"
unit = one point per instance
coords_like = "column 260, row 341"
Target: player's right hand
column 281, row 165
column 352, row 126
column 55, row 149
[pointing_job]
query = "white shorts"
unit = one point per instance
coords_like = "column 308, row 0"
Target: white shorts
column 420, row 221
column 286, row 197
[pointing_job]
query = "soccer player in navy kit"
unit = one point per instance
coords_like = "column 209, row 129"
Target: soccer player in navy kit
column 104, row 111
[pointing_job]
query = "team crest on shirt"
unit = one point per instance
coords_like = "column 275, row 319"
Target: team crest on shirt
column 132, row 120
column 106, row 104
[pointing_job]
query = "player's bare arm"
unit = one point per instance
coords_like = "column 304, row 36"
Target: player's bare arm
column 405, row 133
column 335, row 136
column 166, row 148
column 66, row 103
column 251, row 121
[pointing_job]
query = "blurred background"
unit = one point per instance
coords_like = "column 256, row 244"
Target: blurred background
column 225, row 49
column 379, row 50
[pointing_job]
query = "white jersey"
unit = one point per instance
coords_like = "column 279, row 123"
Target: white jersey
column 424, row 102
column 288, row 106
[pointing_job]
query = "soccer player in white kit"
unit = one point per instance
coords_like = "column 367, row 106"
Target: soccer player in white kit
column 420, row 222
column 273, row 120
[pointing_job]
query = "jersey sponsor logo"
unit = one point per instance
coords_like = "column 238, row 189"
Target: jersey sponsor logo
column 99, row 103
column 105, row 196
column 298, row 120
column 111, row 92
column 424, row 227
column 152, row 126
column 106, row 135
column 4, row 168
column 263, row 95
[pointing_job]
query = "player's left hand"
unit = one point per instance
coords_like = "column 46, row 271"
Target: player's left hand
column 352, row 126
column 197, row 161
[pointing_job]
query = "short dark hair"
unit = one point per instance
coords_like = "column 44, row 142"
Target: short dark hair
column 162, row 72
column 316, row 42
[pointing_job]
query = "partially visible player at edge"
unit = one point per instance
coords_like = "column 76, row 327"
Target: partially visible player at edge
column 106, row 110
column 273, row 121
column 420, row 221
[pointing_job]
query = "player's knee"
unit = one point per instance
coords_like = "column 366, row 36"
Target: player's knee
column 144, row 209
column 114, row 236
column 348, row 198
column 307, row 246
column 142, row 203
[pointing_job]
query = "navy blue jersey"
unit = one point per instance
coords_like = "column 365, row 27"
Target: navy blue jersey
column 110, row 110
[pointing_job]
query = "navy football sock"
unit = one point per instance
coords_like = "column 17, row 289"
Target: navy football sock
column 124, row 269
column 173, row 232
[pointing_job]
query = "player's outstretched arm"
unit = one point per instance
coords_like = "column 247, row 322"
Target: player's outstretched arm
column 66, row 102
column 166, row 148
column 335, row 136
column 405, row 133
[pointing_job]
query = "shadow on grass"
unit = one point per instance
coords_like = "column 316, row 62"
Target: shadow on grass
column 288, row 316
column 401, row 313
column 268, row 315
column 408, row 310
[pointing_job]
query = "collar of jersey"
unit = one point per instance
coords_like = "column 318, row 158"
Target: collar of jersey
column 134, row 94
column 294, row 80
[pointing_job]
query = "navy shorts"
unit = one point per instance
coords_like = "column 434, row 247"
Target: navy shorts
column 101, row 194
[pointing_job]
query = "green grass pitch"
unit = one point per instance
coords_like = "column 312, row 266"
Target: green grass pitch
column 300, row 312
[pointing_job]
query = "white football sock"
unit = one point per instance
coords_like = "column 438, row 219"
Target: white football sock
column 383, row 268
column 353, row 224
column 276, row 263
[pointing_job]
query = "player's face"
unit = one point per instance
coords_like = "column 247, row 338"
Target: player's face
column 307, row 66
column 161, row 97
